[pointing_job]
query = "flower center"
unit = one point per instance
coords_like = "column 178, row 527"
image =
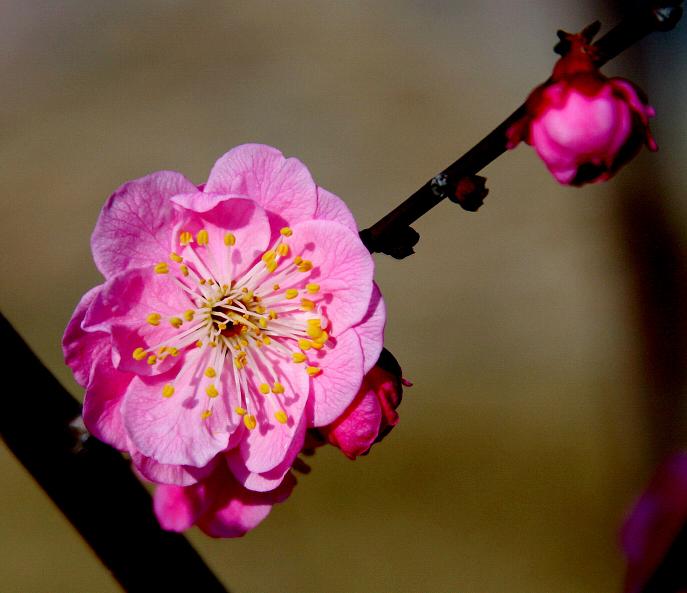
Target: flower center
column 240, row 330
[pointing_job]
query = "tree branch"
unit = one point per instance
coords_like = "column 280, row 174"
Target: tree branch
column 391, row 234
column 92, row 483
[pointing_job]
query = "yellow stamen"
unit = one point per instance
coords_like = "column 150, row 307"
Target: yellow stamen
column 152, row 359
column 174, row 351
column 322, row 338
column 314, row 331
column 185, row 237
column 206, row 414
column 286, row 231
column 272, row 315
column 176, row 321
column 312, row 288
column 139, row 354
column 250, row 421
column 168, row 390
column 267, row 340
column 291, row 293
column 176, row 257
column 304, row 344
column 271, row 265
column 188, row 315
column 210, row 372
column 298, row 357
column 199, row 344
column 298, row 260
column 277, row 388
column 240, row 411
column 283, row 249
column 154, row 319
column 264, row 388
column 184, row 269
column 313, row 371
column 306, row 266
column 281, row 417
column 161, row 268
column 260, row 309
column 229, row 239
column 268, row 256
column 211, row 390
column 202, row 237
column 262, row 322
column 307, row 305
column 275, row 287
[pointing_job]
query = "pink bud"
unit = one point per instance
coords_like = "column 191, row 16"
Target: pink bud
column 583, row 125
column 372, row 414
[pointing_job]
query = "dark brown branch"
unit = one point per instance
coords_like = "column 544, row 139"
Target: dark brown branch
column 389, row 234
column 92, row 484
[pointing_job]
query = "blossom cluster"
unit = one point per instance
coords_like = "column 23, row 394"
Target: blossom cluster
column 237, row 319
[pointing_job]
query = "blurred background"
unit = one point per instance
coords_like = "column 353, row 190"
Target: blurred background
column 545, row 334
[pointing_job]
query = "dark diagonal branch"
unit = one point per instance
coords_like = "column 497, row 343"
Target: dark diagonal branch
column 92, row 484
column 392, row 234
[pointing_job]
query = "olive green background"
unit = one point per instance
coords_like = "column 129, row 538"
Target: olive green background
column 523, row 441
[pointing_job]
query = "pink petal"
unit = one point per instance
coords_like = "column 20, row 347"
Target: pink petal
column 134, row 227
column 102, row 402
column 163, row 473
column 371, row 330
column 331, row 207
column 356, row 430
column 269, row 480
column 281, row 186
column 267, row 445
column 342, row 267
column 81, row 348
column 172, row 430
column 177, row 508
column 342, row 373
column 243, row 218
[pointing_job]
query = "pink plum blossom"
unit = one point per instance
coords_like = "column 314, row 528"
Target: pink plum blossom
column 372, row 414
column 655, row 521
column 234, row 317
column 583, row 125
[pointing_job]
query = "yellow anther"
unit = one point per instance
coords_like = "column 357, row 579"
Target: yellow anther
column 240, row 411
column 229, row 239
column 277, row 388
column 161, row 268
column 321, row 339
column 260, row 309
column 202, row 281
column 267, row 340
column 210, row 372
column 262, row 322
column 272, row 315
column 202, row 237
column 271, row 265
column 298, row 357
column 304, row 344
column 298, row 260
column 259, row 343
column 238, row 363
column 212, row 344
column 268, row 256
column 283, row 249
column 264, row 388
column 314, row 331
column 307, row 305
column 154, row 319
column 206, row 414
column 275, row 287
column 291, row 293
column 176, row 321
column 199, row 344
column 281, row 417
column 168, row 390
column 139, row 354
column 176, row 257
column 185, row 237
column 250, row 421
column 152, row 359
column 188, row 315
column 162, row 350
column 286, row 231
column 312, row 288
column 210, row 281
column 313, row 371
column 225, row 287
column 184, row 269
column 222, row 326
column 316, row 346
column 174, row 351
column 316, row 321
column 306, row 266
column 211, row 390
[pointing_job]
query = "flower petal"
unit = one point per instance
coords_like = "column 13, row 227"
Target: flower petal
column 342, row 267
column 281, row 186
column 371, row 330
column 177, row 508
column 336, row 386
column 332, row 207
column 134, row 226
column 81, row 348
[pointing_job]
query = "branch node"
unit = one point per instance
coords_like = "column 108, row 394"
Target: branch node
column 470, row 192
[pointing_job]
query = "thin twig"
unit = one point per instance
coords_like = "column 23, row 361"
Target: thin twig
column 91, row 483
column 392, row 234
